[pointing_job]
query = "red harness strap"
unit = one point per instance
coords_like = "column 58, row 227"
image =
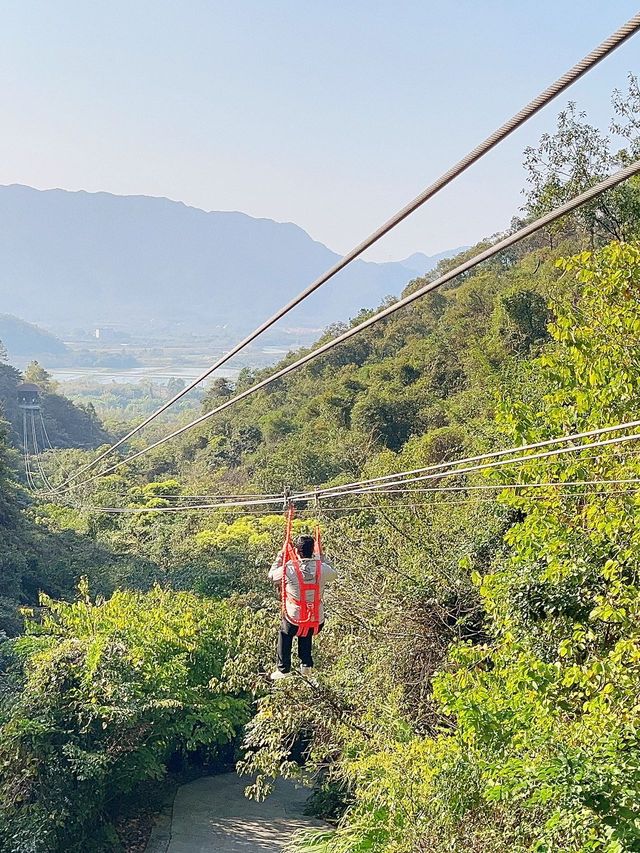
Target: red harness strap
column 309, row 619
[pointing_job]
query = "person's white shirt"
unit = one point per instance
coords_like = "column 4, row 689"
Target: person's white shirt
column 292, row 588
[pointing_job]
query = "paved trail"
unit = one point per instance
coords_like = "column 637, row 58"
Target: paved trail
column 212, row 815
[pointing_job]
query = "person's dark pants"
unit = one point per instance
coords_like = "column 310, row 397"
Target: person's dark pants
column 285, row 644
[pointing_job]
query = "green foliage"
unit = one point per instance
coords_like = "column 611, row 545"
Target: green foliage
column 34, row 372
column 477, row 695
column 579, row 155
column 110, row 691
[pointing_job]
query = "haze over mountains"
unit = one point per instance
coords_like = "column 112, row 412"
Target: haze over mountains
column 78, row 260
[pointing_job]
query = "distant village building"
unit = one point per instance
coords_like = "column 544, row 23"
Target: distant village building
column 109, row 334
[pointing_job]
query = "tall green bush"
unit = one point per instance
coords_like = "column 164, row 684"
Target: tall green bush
column 104, row 694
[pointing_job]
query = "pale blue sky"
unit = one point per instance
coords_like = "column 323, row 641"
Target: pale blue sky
column 328, row 114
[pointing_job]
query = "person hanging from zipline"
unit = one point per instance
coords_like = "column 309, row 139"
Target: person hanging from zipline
column 302, row 572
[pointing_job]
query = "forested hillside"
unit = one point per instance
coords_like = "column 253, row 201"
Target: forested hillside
column 32, row 560
column 66, row 424
column 477, row 681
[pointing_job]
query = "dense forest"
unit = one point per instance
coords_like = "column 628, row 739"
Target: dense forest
column 478, row 679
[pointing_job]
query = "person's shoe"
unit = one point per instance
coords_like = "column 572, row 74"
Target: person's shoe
column 278, row 676
column 306, row 670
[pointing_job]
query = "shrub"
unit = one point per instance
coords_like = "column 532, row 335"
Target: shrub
column 108, row 692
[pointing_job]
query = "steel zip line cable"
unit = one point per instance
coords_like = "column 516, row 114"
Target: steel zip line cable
column 248, row 506
column 44, row 431
column 250, row 510
column 560, row 85
column 536, row 445
column 469, row 487
column 31, row 483
column 48, row 442
column 386, row 488
column 505, row 243
column 47, row 488
column 468, row 501
column 318, row 494
column 31, row 474
column 184, row 507
column 385, row 479
column 402, row 478
column 472, row 469
column 490, row 487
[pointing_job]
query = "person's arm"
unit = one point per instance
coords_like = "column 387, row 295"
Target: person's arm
column 275, row 572
column 328, row 572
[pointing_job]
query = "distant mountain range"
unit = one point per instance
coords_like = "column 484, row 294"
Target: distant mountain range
column 418, row 264
column 78, row 259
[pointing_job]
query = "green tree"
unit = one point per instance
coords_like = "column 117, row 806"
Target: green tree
column 35, row 372
column 576, row 157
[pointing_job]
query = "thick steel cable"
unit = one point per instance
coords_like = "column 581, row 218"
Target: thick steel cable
column 555, row 484
column 317, row 495
column 371, row 508
column 628, row 456
column 403, row 478
column 560, row 85
column 225, row 496
column 470, row 501
column 505, row 243
column 313, row 511
column 219, row 505
column 385, row 488
column 24, row 445
column 249, row 506
column 478, row 500
column 33, row 484
column 48, row 442
column 44, row 431
column 241, row 506
column 48, row 489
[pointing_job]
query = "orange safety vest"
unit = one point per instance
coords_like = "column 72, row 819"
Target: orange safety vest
column 309, row 619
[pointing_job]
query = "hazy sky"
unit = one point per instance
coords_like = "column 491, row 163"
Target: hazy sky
column 328, row 114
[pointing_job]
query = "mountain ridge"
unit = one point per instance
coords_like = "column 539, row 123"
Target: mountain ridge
column 83, row 258
column 21, row 338
column 420, row 263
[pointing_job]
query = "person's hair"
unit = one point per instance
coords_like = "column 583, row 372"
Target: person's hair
column 305, row 545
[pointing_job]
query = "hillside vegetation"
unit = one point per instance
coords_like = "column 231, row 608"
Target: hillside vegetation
column 478, row 677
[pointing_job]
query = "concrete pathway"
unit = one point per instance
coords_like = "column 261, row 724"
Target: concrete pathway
column 212, row 815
